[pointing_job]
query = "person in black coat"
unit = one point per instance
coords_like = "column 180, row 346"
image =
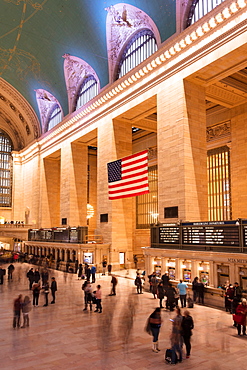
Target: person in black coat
column 165, row 279
column 36, row 276
column 161, row 293
column 53, row 290
column 10, row 271
column 30, row 276
column 2, row 273
column 170, row 294
column 195, row 288
column 200, row 290
column 187, row 326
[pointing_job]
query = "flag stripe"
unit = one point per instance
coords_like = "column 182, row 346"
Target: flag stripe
column 128, row 177
column 127, row 186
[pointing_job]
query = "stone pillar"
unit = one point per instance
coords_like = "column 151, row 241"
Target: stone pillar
column 50, row 193
column 194, row 269
column 178, row 270
column 212, row 280
column 73, row 200
column 182, row 154
column 114, row 142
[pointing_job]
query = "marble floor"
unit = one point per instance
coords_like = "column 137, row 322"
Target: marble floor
column 63, row 336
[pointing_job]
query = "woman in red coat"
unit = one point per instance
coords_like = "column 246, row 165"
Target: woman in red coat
column 241, row 312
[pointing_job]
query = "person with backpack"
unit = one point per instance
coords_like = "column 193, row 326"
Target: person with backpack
column 187, row 326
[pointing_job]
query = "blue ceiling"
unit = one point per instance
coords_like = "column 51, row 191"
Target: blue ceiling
column 34, row 35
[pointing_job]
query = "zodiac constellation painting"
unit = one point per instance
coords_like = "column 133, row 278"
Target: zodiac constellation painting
column 36, row 6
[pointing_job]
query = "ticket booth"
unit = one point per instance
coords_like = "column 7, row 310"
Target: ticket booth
column 171, row 268
column 204, row 273
column 243, row 279
column 88, row 257
column 186, row 271
column 223, row 276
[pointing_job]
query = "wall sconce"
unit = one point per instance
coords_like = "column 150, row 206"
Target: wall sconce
column 184, row 265
column 168, row 263
column 219, row 269
column 200, row 268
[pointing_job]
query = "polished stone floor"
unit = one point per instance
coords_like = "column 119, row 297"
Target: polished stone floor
column 63, row 336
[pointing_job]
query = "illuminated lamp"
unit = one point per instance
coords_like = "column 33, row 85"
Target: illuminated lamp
column 219, row 270
column 162, row 57
column 182, row 43
column 172, row 51
column 219, row 18
column 154, row 262
column 193, row 35
column 137, row 75
column 141, row 73
column 184, row 265
column 153, row 64
column 167, row 54
column 200, row 268
column 233, row 7
column 158, row 61
column 168, row 263
column 226, row 14
column 241, row 3
column 200, row 32
column 212, row 23
column 177, row 47
column 241, row 272
column 188, row 40
column 134, row 78
column 145, row 70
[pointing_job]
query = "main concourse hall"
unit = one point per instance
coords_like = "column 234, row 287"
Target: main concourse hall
column 89, row 89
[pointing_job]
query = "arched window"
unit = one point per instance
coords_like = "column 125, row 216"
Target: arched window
column 199, row 8
column 6, row 147
column 140, row 47
column 55, row 117
column 88, row 90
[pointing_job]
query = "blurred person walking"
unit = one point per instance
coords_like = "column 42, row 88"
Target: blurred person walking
column 160, row 293
column 26, row 307
column 17, row 311
column 240, row 317
column 10, row 271
column 46, row 293
column 114, row 282
column 138, row 284
column 30, row 276
column 187, row 326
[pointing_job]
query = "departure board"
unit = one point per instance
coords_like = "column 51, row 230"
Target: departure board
column 73, row 235
column 245, row 235
column 61, row 234
column 169, row 235
column 32, row 234
column 45, row 234
column 220, row 234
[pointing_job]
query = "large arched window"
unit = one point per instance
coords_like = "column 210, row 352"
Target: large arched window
column 199, row 8
column 5, row 170
column 55, row 117
column 87, row 91
column 140, row 47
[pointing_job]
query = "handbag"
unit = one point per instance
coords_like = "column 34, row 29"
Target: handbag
column 237, row 318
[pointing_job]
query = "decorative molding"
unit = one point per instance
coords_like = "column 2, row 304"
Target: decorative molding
column 12, row 130
column 152, row 153
column 122, row 22
column 23, row 110
column 75, row 71
column 218, row 131
column 46, row 102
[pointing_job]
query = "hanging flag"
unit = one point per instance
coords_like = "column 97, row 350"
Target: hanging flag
column 128, row 177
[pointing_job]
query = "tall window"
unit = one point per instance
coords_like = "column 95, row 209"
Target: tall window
column 55, row 117
column 147, row 204
column 5, row 170
column 140, row 47
column 88, row 90
column 199, row 8
column 219, row 184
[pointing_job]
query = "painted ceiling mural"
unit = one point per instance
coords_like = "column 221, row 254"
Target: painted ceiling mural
column 35, row 35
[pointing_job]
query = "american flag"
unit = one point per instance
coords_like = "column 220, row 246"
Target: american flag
column 128, row 177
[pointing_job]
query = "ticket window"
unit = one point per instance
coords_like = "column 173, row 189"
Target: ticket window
column 223, row 276
column 243, row 279
column 157, row 269
column 187, row 275
column 88, row 258
column 171, row 273
column 204, row 277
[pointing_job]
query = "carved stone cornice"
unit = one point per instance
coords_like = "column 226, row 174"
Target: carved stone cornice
column 219, row 131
